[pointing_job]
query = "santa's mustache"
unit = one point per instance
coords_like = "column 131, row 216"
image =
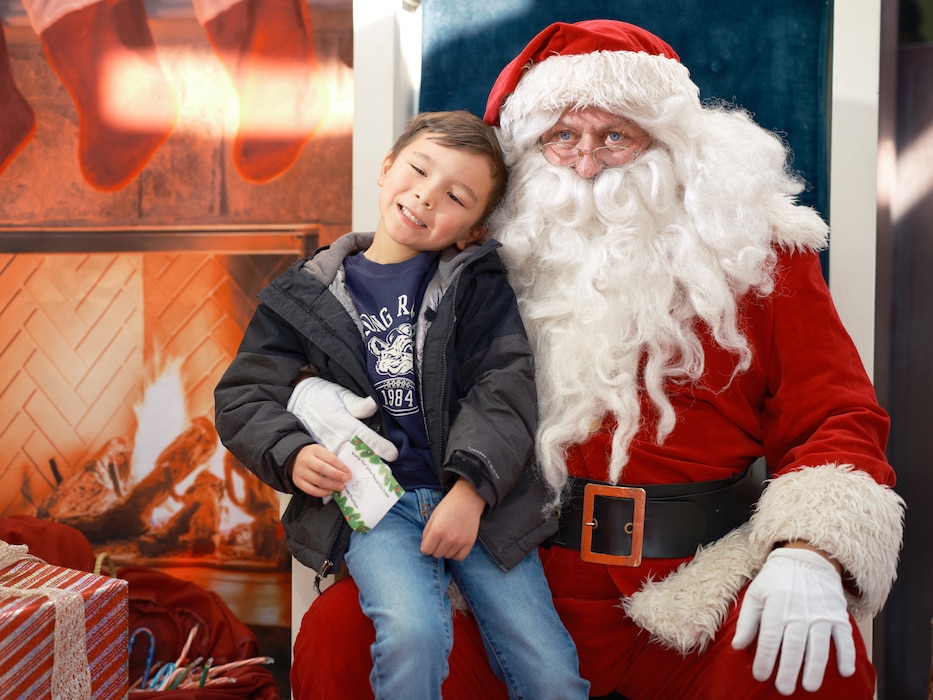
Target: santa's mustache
column 642, row 190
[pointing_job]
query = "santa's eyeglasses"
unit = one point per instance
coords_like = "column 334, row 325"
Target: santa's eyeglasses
column 568, row 154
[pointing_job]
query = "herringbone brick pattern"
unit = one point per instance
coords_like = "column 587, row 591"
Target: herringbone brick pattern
column 82, row 336
column 71, row 365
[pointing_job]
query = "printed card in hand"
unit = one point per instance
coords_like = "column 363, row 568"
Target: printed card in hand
column 372, row 490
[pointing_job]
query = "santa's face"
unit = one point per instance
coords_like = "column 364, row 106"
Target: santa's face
column 589, row 139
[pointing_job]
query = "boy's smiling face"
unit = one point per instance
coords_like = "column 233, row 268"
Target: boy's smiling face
column 432, row 197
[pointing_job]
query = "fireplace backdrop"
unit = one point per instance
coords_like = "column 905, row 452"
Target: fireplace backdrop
column 109, row 365
column 120, row 307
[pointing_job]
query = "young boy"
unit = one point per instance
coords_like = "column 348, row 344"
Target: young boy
column 420, row 317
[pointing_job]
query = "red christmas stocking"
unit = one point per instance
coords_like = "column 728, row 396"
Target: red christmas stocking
column 267, row 46
column 17, row 120
column 104, row 54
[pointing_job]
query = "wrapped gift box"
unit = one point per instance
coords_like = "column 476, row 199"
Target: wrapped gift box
column 63, row 633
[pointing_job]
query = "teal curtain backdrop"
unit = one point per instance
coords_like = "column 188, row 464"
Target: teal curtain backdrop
column 772, row 58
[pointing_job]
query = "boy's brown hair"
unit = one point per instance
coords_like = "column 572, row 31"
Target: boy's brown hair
column 462, row 131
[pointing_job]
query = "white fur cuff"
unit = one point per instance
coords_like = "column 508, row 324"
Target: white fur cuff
column 685, row 610
column 839, row 510
column 844, row 513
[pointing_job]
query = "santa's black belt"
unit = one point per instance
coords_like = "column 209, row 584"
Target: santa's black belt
column 622, row 524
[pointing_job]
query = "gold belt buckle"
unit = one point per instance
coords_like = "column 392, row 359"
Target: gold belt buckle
column 636, row 528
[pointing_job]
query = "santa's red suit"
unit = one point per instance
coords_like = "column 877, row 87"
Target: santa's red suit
column 681, row 332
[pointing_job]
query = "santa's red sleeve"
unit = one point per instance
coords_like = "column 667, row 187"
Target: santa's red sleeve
column 267, row 47
column 824, row 437
column 105, row 56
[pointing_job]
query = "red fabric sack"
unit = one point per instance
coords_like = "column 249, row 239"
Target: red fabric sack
column 54, row 543
column 170, row 607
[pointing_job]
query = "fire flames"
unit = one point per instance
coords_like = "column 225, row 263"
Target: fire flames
column 174, row 493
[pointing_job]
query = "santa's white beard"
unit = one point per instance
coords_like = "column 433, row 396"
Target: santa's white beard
column 614, row 280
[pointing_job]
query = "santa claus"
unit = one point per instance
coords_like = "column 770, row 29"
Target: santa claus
column 672, row 290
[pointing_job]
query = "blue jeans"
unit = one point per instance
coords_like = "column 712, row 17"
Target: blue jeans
column 404, row 593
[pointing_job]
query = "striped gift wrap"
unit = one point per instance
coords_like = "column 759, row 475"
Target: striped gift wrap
column 63, row 633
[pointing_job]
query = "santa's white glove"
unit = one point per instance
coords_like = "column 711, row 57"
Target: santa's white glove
column 795, row 605
column 331, row 414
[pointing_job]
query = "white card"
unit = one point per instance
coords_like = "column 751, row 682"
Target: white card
column 372, row 490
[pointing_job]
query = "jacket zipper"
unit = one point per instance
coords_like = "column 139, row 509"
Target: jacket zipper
column 328, row 564
column 322, row 574
column 440, row 448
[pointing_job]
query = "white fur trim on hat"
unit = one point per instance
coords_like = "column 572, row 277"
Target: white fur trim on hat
column 626, row 82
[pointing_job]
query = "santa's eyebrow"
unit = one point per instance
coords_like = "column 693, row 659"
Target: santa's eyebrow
column 618, row 123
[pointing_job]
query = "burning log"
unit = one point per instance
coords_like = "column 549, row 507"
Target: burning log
column 186, row 453
column 88, row 500
column 195, row 526
column 153, row 518
column 263, row 535
column 100, row 486
column 257, row 498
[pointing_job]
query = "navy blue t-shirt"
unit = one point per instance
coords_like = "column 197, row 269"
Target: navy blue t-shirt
column 387, row 298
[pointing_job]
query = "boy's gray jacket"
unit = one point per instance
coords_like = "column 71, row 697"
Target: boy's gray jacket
column 476, row 378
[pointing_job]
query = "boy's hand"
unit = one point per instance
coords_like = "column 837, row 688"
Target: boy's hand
column 318, row 472
column 452, row 528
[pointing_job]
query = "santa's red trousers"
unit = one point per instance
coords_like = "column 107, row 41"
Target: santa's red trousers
column 331, row 654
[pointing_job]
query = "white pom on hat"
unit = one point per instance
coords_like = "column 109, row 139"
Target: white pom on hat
column 604, row 63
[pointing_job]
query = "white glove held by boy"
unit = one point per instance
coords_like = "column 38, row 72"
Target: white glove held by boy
column 332, row 414
column 795, row 605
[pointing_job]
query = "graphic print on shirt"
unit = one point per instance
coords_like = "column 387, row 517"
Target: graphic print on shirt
column 389, row 340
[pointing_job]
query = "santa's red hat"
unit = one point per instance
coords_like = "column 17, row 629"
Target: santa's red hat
column 604, row 63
